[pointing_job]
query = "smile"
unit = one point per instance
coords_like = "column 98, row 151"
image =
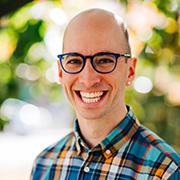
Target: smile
column 91, row 97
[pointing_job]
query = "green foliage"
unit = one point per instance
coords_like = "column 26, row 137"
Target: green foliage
column 27, row 38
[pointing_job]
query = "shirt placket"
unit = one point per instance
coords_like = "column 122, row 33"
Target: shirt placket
column 85, row 167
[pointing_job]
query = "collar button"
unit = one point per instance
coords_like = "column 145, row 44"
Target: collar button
column 86, row 169
column 108, row 152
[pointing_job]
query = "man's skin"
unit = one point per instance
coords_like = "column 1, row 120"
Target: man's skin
column 87, row 35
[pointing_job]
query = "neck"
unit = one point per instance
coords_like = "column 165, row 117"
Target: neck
column 95, row 130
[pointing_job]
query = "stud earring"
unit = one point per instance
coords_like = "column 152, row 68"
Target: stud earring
column 129, row 82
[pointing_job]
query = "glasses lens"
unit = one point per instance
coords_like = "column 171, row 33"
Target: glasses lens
column 72, row 63
column 104, row 63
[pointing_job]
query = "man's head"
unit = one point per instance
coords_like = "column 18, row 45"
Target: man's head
column 98, row 18
column 93, row 94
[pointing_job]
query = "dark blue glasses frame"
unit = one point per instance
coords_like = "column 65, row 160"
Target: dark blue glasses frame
column 116, row 55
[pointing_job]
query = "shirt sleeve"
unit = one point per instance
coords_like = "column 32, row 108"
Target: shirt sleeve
column 34, row 173
column 175, row 175
column 37, row 171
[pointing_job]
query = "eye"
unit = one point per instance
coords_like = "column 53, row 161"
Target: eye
column 74, row 61
column 104, row 61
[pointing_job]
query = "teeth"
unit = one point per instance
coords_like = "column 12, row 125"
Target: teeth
column 91, row 95
column 86, row 100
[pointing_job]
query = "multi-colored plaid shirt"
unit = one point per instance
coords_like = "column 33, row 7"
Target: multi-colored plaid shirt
column 130, row 151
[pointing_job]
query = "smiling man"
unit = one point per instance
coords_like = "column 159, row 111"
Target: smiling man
column 108, row 142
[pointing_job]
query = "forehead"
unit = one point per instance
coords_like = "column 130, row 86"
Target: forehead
column 92, row 34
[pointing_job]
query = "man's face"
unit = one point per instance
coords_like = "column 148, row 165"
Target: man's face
column 94, row 95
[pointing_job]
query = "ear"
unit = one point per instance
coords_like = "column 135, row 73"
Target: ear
column 59, row 71
column 131, row 71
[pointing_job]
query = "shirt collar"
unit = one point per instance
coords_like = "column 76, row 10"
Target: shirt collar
column 123, row 132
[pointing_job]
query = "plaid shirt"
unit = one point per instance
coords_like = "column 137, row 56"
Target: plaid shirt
column 130, row 151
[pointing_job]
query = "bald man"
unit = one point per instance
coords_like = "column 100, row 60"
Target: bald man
column 107, row 142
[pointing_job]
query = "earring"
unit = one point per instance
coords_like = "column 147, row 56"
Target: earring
column 129, row 83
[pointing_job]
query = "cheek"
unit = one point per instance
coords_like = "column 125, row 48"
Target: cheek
column 118, row 86
column 68, row 81
column 67, row 84
column 119, row 78
column 68, row 91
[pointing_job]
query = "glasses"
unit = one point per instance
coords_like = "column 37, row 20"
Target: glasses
column 102, row 62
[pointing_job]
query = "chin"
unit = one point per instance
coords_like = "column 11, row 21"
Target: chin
column 90, row 114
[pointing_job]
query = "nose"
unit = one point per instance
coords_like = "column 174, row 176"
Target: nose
column 88, row 76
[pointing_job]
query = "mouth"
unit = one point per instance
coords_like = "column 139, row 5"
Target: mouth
column 91, row 97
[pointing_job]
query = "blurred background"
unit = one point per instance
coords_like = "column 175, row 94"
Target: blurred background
column 33, row 109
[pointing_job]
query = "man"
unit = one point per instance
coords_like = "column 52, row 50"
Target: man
column 108, row 142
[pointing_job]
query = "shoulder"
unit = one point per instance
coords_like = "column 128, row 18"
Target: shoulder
column 156, row 146
column 50, row 154
column 151, row 151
